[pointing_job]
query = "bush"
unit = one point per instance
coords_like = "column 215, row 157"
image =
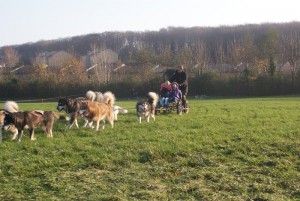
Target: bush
column 131, row 86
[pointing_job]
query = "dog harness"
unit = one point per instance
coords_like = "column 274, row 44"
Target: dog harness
column 38, row 115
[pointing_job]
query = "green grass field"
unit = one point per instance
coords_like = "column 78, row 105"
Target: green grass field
column 224, row 149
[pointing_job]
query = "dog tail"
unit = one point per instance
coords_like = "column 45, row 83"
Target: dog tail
column 99, row 97
column 109, row 98
column 11, row 106
column 120, row 109
column 90, row 95
column 154, row 96
column 60, row 116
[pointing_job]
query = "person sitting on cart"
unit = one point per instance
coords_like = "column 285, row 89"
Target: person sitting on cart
column 165, row 91
column 181, row 78
column 176, row 93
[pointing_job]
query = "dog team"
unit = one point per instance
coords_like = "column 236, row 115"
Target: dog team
column 94, row 108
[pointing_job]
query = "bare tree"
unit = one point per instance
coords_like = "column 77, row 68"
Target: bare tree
column 242, row 53
column 184, row 56
column 220, row 57
column 268, row 46
column 248, row 50
column 290, row 51
column 11, row 57
column 200, row 57
column 234, row 52
column 102, row 64
column 166, row 56
column 73, row 71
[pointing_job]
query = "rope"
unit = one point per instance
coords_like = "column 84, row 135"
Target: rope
column 55, row 98
column 155, row 109
column 125, row 109
column 171, row 108
column 41, row 99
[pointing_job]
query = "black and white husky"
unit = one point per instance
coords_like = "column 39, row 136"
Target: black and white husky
column 146, row 108
column 72, row 107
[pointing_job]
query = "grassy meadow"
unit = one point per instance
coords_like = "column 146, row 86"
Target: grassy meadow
column 223, row 149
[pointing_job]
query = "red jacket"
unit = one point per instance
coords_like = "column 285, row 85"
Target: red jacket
column 163, row 86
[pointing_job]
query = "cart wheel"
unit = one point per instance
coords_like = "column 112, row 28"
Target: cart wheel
column 179, row 107
column 186, row 107
column 168, row 108
column 157, row 108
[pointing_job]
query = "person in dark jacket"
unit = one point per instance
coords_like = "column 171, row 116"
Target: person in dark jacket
column 181, row 78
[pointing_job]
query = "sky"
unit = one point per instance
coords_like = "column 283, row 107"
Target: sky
column 26, row 21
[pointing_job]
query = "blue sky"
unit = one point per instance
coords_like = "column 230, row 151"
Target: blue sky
column 24, row 21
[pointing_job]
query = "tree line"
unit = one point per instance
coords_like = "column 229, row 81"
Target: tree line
column 253, row 59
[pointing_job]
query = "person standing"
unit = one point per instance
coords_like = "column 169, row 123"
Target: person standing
column 181, row 78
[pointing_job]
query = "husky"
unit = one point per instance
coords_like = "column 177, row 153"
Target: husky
column 94, row 96
column 98, row 97
column 71, row 107
column 147, row 107
column 31, row 120
column 96, row 112
column 117, row 110
column 9, row 107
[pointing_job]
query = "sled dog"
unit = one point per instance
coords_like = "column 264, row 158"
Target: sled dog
column 31, row 120
column 9, row 106
column 96, row 112
column 94, row 96
column 71, row 107
column 117, row 110
column 146, row 108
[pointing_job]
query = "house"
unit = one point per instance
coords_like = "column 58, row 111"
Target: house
column 159, row 69
column 54, row 58
column 286, row 69
column 106, row 56
column 125, row 70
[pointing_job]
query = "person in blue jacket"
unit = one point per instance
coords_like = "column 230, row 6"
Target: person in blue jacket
column 176, row 93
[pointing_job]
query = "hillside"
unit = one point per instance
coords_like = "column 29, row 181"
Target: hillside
column 173, row 39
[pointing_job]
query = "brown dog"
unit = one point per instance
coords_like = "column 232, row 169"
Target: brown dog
column 96, row 112
column 31, row 120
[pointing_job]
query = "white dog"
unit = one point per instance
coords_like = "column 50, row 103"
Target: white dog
column 9, row 106
column 117, row 110
column 94, row 96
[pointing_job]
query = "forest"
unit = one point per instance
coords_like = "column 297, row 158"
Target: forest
column 244, row 60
